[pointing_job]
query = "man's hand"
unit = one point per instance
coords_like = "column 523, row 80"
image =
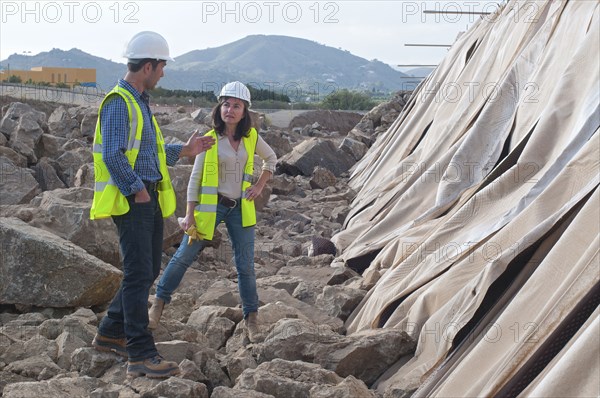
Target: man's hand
column 196, row 144
column 142, row 196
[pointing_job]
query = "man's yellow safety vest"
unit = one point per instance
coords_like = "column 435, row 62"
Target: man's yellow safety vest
column 205, row 212
column 108, row 200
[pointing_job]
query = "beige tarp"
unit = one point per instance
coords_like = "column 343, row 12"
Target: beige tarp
column 471, row 184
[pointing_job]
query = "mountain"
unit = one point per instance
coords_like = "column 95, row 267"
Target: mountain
column 290, row 65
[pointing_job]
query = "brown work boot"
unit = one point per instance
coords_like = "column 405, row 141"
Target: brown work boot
column 252, row 326
column 155, row 368
column 155, row 313
column 108, row 344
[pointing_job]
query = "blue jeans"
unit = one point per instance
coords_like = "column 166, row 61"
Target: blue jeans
column 242, row 241
column 140, row 236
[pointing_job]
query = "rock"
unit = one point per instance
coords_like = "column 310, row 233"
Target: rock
column 226, row 392
column 50, row 146
column 329, row 120
column 88, row 117
column 36, row 345
column 89, row 362
column 17, row 184
column 280, row 144
column 47, row 271
column 239, row 361
column 183, row 128
column 177, row 350
column 85, row 176
column 55, row 388
column 65, row 212
column 67, row 344
column 39, row 367
column 61, row 123
column 322, row 178
column 341, row 275
column 295, row 339
column 46, row 176
column 24, row 127
column 366, row 354
column 216, row 323
column 221, row 293
column 378, row 119
column 349, row 387
column 71, row 161
column 354, row 148
column 286, row 379
column 339, row 301
column 17, row 159
column 315, row 152
column 283, row 185
column 180, row 388
column 180, row 177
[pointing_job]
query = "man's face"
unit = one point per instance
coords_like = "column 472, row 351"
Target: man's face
column 154, row 75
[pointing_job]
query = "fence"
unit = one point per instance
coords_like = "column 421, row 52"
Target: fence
column 85, row 96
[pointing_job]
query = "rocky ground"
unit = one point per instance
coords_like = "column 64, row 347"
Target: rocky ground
column 59, row 269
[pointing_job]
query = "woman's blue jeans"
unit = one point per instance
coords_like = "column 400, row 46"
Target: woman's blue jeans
column 140, row 235
column 242, row 241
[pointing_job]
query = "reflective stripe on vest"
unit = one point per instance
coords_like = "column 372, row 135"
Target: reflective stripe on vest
column 108, row 200
column 205, row 212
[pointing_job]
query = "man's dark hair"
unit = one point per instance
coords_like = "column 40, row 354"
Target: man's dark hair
column 243, row 127
column 137, row 65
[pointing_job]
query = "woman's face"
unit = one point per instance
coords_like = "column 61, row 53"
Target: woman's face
column 232, row 110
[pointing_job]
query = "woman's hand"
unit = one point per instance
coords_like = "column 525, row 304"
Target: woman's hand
column 254, row 191
column 188, row 222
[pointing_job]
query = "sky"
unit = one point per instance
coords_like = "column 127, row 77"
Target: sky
column 368, row 29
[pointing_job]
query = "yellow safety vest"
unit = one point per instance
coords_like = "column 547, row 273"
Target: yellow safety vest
column 108, row 200
column 205, row 212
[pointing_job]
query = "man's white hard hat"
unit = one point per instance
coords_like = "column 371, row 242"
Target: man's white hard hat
column 147, row 45
column 236, row 90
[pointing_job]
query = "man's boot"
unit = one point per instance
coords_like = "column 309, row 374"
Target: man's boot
column 155, row 313
column 252, row 326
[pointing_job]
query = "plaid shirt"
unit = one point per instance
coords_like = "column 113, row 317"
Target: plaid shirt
column 114, row 124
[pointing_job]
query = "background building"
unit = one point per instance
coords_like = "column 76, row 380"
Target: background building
column 51, row 75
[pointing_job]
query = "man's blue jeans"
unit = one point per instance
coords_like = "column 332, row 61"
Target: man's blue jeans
column 242, row 241
column 141, row 236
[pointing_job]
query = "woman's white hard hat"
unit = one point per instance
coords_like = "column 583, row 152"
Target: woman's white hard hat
column 236, row 90
column 147, row 45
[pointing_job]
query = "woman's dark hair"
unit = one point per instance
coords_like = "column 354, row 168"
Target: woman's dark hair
column 243, row 127
column 136, row 66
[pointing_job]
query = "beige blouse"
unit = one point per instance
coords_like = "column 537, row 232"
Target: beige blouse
column 231, row 167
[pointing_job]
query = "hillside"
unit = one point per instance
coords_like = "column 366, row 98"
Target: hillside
column 293, row 65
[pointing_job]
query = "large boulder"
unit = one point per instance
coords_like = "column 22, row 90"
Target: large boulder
column 43, row 270
column 66, row 213
column 340, row 121
column 24, row 127
column 17, row 184
column 312, row 153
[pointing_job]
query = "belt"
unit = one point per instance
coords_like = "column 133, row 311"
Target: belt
column 225, row 201
column 151, row 186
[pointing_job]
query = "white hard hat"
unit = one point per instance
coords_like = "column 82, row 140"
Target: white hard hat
column 147, row 45
column 236, row 90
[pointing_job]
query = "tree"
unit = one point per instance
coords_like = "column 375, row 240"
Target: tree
column 14, row 79
column 347, row 100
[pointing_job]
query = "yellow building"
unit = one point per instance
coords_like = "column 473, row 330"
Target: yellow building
column 52, row 75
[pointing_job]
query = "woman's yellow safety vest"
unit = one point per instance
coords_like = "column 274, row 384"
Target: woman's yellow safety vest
column 108, row 200
column 205, row 212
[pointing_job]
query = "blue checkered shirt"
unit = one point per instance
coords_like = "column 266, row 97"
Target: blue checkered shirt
column 114, row 125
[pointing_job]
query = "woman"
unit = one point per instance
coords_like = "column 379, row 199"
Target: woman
column 220, row 190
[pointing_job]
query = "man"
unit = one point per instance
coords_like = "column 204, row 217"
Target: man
column 132, row 185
